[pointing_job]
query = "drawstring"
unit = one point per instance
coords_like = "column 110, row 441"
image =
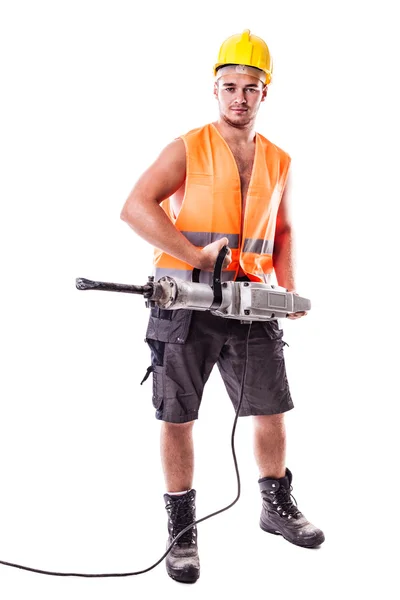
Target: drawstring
column 149, row 370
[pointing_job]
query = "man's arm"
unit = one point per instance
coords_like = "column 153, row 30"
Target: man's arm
column 142, row 210
column 284, row 252
column 283, row 256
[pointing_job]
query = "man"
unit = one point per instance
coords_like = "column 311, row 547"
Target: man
column 217, row 185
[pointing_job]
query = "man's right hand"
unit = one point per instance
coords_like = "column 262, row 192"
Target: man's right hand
column 209, row 255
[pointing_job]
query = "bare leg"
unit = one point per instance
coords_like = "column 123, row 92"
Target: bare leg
column 177, row 455
column 270, row 445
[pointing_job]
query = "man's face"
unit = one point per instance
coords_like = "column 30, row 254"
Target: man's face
column 239, row 97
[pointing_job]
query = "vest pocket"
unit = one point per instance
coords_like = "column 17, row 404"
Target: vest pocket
column 200, row 179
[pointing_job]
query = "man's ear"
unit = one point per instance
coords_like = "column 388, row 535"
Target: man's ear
column 216, row 89
column 264, row 93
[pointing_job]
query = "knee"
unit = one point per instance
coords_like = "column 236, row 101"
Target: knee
column 177, row 429
column 269, row 421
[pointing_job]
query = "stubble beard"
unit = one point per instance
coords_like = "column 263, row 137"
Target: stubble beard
column 242, row 123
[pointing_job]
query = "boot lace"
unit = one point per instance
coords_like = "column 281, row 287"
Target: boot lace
column 181, row 513
column 283, row 499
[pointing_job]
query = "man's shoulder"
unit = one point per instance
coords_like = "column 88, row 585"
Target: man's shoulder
column 196, row 132
column 268, row 145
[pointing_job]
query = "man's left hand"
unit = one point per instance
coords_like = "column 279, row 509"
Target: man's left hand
column 299, row 314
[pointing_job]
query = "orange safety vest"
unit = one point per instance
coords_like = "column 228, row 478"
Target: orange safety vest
column 212, row 205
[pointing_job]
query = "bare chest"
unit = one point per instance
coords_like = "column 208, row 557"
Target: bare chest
column 244, row 158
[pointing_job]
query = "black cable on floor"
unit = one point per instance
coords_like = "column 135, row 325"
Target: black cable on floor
column 57, row 574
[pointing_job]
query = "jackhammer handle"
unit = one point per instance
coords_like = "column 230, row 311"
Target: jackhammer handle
column 217, row 267
column 219, row 262
column 87, row 284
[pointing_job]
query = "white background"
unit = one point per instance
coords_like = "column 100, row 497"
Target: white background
column 90, row 94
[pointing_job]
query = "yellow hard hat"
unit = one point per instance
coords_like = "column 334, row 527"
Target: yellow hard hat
column 245, row 49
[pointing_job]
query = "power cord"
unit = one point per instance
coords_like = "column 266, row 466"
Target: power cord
column 57, row 574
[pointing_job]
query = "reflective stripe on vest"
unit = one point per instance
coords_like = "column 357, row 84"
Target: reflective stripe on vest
column 202, row 238
column 213, row 204
column 258, row 246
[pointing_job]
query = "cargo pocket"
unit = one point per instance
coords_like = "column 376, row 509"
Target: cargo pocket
column 272, row 329
column 158, row 386
column 171, row 326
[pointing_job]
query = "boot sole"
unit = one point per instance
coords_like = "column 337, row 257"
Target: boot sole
column 311, row 544
column 189, row 575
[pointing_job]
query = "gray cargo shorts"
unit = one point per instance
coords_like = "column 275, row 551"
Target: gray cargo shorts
column 185, row 345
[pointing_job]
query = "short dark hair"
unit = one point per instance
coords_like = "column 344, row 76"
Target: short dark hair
column 235, row 65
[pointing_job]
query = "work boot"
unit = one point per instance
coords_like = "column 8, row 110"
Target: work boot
column 182, row 561
column 280, row 516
